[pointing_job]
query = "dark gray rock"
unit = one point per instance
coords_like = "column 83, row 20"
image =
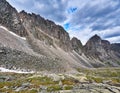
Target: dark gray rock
column 76, row 45
column 20, row 89
column 102, row 50
column 9, row 18
column 5, row 78
column 38, row 26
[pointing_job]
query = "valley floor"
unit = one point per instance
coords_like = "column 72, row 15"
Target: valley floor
column 103, row 80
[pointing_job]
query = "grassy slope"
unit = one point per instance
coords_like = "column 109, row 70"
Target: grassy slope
column 111, row 75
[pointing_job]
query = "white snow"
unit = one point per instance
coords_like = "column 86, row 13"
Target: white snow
column 12, row 33
column 2, row 69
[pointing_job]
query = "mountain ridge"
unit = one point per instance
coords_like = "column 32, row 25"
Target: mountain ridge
column 47, row 46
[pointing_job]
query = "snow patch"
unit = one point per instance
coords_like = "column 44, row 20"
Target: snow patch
column 2, row 69
column 12, row 33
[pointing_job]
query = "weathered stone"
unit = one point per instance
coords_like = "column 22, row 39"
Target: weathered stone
column 19, row 89
column 39, row 27
column 9, row 18
column 96, row 48
column 76, row 45
column 4, row 78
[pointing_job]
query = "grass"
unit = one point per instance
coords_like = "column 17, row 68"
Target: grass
column 32, row 91
column 35, row 81
column 68, row 87
column 54, row 88
column 102, row 74
column 68, row 82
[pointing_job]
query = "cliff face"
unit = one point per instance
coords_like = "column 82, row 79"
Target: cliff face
column 9, row 18
column 102, row 50
column 76, row 45
column 115, row 47
column 38, row 50
column 95, row 46
column 38, row 25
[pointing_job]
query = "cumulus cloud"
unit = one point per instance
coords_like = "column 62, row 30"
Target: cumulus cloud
column 51, row 9
column 26, row 5
column 96, row 17
column 112, row 34
column 81, row 18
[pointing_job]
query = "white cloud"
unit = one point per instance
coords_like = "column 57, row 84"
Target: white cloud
column 39, row 5
column 113, row 34
column 83, row 35
column 114, row 39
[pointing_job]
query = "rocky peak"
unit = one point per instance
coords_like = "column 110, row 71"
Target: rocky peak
column 36, row 24
column 93, row 42
column 96, row 46
column 41, row 28
column 76, row 45
column 96, row 42
column 9, row 18
column 95, row 38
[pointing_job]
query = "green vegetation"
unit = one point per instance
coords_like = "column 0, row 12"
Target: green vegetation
column 33, row 91
column 68, row 81
column 34, row 82
column 68, row 87
column 37, row 81
column 102, row 74
column 10, row 82
column 54, row 88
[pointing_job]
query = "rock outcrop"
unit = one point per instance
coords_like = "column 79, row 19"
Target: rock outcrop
column 102, row 49
column 38, row 26
column 9, row 18
column 95, row 46
column 115, row 47
column 76, row 45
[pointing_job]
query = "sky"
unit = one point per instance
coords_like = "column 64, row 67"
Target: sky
column 80, row 18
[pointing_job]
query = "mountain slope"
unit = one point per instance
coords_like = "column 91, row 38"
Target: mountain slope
column 36, row 24
column 104, row 51
column 30, row 42
column 15, row 53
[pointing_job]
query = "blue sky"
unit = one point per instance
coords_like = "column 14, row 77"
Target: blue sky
column 81, row 18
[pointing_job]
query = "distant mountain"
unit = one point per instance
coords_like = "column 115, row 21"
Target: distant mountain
column 30, row 42
column 102, row 50
column 115, row 47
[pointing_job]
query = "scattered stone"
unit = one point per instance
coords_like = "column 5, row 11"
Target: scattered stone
column 106, row 81
column 5, row 87
column 4, row 78
column 19, row 89
column 60, row 83
column 43, row 87
column 26, row 85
